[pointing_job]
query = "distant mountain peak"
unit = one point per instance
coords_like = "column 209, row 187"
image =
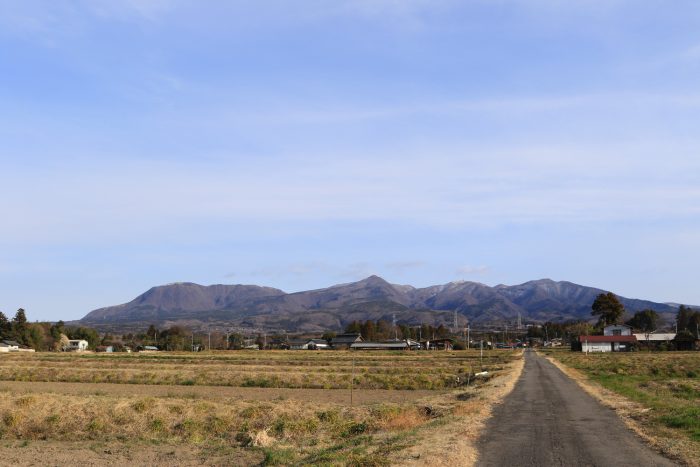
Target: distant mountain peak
column 370, row 298
column 373, row 279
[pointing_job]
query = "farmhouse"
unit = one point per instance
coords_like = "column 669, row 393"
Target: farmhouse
column 76, row 345
column 615, row 338
column 606, row 343
column 344, row 341
column 308, row 344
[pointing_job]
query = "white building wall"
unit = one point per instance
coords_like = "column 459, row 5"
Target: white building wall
column 596, row 347
column 624, row 330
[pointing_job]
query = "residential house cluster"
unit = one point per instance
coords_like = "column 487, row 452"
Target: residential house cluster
column 354, row 341
column 620, row 338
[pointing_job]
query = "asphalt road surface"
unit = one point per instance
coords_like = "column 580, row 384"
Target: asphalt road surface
column 548, row 420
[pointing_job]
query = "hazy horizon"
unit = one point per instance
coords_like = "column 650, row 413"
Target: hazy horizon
column 299, row 146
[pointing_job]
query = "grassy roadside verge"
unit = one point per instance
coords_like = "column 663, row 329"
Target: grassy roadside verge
column 656, row 394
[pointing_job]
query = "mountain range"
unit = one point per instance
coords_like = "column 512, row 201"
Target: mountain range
column 256, row 307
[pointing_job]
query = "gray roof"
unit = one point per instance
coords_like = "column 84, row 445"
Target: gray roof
column 346, row 339
column 384, row 345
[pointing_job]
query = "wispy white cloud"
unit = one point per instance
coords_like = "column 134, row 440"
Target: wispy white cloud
column 458, row 190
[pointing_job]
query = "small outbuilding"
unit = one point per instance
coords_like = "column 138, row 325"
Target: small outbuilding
column 614, row 343
column 76, row 345
column 655, row 340
column 9, row 346
column 318, row 344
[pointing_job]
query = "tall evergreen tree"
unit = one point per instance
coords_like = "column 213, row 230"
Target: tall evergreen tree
column 608, row 309
column 645, row 320
column 683, row 318
column 5, row 327
column 20, row 330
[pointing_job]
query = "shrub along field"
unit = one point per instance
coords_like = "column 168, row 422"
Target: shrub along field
column 282, row 430
column 667, row 384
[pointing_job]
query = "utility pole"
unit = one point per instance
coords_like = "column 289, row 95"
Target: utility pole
column 209, row 341
column 393, row 323
column 482, row 354
column 468, row 338
column 192, row 342
column 352, row 378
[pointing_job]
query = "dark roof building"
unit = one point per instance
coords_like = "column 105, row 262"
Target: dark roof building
column 344, row 341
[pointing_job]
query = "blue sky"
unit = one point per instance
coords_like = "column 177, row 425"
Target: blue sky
column 302, row 144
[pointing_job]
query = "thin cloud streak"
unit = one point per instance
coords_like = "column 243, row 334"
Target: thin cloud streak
column 128, row 201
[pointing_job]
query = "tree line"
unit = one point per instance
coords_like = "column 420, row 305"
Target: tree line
column 609, row 310
column 384, row 330
column 43, row 336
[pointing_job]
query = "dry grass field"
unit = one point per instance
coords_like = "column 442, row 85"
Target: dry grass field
column 244, row 408
column 658, row 393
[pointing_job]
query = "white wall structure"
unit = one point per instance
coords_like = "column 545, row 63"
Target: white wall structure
column 596, row 347
column 617, row 330
column 78, row 345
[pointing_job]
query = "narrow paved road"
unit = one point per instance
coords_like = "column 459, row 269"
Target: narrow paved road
column 548, row 420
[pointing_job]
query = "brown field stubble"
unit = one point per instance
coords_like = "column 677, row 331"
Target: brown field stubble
column 289, row 428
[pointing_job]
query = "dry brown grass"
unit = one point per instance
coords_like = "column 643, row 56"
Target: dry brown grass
column 454, row 443
column 283, row 431
column 283, row 369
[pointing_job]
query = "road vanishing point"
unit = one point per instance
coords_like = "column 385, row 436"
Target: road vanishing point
column 548, row 420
